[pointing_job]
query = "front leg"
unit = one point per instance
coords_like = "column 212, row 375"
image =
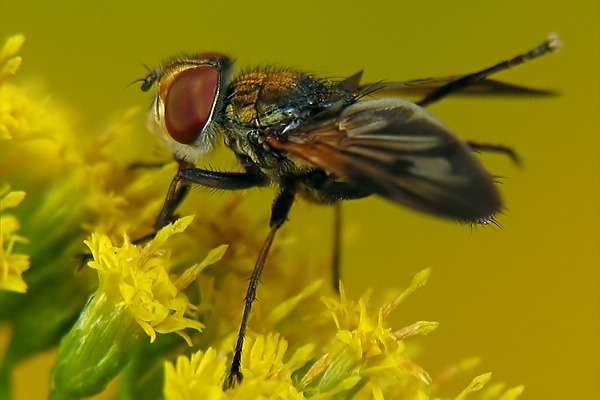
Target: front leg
column 187, row 175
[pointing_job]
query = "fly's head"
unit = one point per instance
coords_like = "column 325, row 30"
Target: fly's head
column 189, row 95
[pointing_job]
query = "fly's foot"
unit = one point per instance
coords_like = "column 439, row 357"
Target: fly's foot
column 233, row 378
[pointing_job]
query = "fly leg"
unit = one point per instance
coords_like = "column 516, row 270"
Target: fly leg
column 548, row 46
column 174, row 197
column 333, row 191
column 279, row 214
column 336, row 258
column 187, row 175
column 497, row 148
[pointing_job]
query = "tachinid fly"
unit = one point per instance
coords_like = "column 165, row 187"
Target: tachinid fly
column 324, row 140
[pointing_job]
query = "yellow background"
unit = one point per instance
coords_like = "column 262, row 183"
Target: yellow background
column 526, row 297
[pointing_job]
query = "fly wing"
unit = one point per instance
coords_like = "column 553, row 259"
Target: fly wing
column 395, row 148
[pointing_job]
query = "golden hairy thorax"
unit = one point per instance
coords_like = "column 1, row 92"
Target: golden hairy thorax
column 256, row 95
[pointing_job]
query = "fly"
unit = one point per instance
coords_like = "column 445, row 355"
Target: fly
column 325, row 141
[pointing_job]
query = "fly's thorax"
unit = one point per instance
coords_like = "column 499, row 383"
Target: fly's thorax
column 269, row 102
column 273, row 98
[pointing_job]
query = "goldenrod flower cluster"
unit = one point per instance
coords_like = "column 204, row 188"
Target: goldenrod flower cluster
column 162, row 315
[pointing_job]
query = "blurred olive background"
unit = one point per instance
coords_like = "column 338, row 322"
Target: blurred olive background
column 524, row 298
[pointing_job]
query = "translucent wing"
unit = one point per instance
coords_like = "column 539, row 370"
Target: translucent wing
column 395, row 148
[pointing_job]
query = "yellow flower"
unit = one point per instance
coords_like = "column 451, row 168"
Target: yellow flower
column 137, row 277
column 200, row 377
column 366, row 350
column 266, row 374
column 12, row 265
column 11, row 47
column 134, row 288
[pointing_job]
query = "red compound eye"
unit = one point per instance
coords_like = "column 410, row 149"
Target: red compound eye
column 189, row 102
